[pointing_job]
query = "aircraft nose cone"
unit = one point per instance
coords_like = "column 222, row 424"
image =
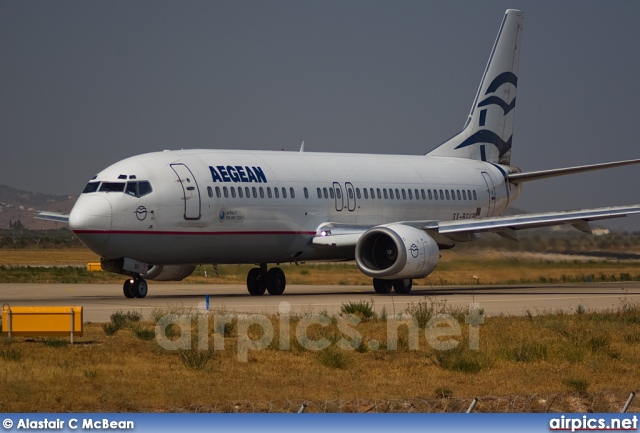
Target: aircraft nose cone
column 90, row 221
column 90, row 213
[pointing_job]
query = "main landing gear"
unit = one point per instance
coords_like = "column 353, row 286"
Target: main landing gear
column 260, row 280
column 135, row 288
column 401, row 287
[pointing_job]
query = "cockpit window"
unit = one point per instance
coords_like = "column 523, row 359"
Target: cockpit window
column 112, row 187
column 138, row 189
column 91, row 187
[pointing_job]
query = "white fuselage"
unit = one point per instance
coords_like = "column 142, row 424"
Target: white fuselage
column 223, row 206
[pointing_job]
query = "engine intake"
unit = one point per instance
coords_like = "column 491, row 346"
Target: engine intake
column 395, row 251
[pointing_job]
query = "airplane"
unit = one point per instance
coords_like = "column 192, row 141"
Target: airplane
column 158, row 215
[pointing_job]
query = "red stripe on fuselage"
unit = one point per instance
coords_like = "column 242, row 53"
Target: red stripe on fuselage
column 136, row 232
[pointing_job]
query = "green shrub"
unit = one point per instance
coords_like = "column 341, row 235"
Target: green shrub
column 11, row 354
column 195, row 359
column 364, row 309
column 576, row 384
column 334, row 358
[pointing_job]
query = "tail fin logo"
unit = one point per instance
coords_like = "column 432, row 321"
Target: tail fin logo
column 486, row 135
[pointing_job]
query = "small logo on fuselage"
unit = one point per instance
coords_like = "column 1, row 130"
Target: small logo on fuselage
column 222, row 215
column 141, row 213
column 414, row 251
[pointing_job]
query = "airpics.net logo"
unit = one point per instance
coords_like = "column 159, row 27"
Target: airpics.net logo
column 255, row 332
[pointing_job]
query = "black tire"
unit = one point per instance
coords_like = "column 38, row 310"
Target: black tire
column 402, row 287
column 255, row 282
column 140, row 288
column 276, row 281
column 127, row 289
column 382, row 286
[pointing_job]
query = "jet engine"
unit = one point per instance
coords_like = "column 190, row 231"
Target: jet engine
column 396, row 251
column 169, row 272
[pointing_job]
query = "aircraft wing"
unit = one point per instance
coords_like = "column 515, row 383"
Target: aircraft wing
column 52, row 216
column 507, row 225
column 346, row 236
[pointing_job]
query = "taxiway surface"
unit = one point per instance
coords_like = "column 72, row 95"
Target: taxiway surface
column 99, row 301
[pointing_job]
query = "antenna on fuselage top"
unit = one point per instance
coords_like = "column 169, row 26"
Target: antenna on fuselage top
column 302, row 147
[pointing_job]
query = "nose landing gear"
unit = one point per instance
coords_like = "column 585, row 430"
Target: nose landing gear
column 135, row 288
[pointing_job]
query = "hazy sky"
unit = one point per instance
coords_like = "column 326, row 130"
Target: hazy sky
column 85, row 84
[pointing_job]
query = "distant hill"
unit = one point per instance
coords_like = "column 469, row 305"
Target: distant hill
column 20, row 205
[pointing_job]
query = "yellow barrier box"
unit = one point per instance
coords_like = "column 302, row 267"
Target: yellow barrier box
column 42, row 321
column 94, row 267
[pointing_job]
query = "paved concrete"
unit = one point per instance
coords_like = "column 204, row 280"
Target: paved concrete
column 101, row 300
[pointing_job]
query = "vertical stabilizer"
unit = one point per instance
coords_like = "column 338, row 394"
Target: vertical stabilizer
column 488, row 132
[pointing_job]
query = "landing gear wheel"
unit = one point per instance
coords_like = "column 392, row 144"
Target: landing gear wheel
column 382, row 286
column 402, row 287
column 140, row 288
column 255, row 282
column 127, row 288
column 275, row 281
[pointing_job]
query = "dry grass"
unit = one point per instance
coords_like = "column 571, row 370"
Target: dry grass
column 587, row 360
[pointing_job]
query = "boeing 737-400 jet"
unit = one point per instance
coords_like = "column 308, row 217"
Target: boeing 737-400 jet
column 159, row 215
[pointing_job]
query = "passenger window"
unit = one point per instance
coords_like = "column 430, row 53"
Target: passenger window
column 331, row 193
column 404, row 195
column 246, row 192
column 338, row 193
column 379, row 195
column 386, row 196
column 475, row 197
column 358, row 193
column 464, row 194
column 276, row 191
column 372, row 193
column 397, row 194
column 435, row 194
column 326, row 194
column 410, row 194
column 292, row 192
column 458, row 194
column 391, row 193
column 418, row 195
column 261, row 192
column 284, row 192
column 366, row 193
column 441, row 195
column 233, row 192
column 430, row 196
column 469, row 193
column 210, row 191
column 446, row 191
column 240, row 192
column 255, row 192
column 423, row 196
column 319, row 193
column 269, row 191
column 226, row 192
column 218, row 192
column 306, row 192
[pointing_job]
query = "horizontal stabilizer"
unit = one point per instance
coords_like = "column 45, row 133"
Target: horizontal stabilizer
column 535, row 175
column 52, row 216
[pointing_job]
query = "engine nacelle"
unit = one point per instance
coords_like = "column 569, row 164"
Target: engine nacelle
column 169, row 272
column 396, row 251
